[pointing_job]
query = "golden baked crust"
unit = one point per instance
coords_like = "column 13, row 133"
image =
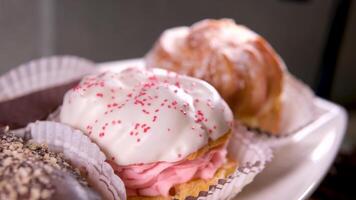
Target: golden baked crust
column 211, row 145
column 248, row 73
column 193, row 187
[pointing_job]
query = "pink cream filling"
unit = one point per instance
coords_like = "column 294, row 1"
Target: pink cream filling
column 157, row 179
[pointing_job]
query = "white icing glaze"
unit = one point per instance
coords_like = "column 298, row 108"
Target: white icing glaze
column 144, row 116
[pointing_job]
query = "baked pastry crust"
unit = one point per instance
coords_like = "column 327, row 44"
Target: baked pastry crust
column 240, row 64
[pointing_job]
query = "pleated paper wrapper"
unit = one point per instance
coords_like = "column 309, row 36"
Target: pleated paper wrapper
column 42, row 73
column 298, row 112
column 252, row 156
column 81, row 152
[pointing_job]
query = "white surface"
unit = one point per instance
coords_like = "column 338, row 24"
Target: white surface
column 300, row 162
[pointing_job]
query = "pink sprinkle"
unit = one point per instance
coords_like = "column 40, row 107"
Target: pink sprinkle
column 112, row 97
column 129, row 95
column 145, row 111
column 112, row 158
column 119, row 121
column 143, row 125
column 169, row 106
column 139, row 102
column 165, row 100
column 177, row 84
column 138, row 140
column 156, row 110
column 114, row 104
column 179, row 155
column 109, row 106
column 214, row 127
column 99, row 94
column 174, row 103
column 113, row 122
column 137, row 125
column 146, row 129
column 200, row 135
column 168, row 129
column 154, row 118
column 196, row 100
column 101, row 134
column 131, row 132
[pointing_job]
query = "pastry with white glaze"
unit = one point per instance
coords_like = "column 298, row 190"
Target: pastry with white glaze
column 161, row 131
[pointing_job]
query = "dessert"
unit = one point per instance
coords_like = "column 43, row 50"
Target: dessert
column 31, row 171
column 244, row 68
column 164, row 134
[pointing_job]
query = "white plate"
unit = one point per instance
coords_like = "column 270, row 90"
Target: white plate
column 299, row 165
column 300, row 162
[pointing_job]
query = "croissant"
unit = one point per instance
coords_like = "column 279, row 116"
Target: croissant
column 239, row 63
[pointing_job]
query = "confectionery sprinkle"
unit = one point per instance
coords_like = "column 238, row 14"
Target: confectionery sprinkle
column 26, row 169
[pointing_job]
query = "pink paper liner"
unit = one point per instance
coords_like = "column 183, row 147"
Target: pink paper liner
column 42, row 73
column 82, row 153
column 252, row 156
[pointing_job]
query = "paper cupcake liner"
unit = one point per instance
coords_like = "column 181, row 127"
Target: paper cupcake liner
column 298, row 109
column 252, row 156
column 42, row 73
column 81, row 152
column 298, row 112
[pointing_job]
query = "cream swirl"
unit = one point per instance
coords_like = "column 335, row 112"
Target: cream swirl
column 140, row 116
column 158, row 178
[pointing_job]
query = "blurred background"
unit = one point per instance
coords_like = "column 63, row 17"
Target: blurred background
column 316, row 38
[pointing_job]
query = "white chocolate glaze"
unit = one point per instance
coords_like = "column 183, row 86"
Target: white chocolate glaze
column 144, row 116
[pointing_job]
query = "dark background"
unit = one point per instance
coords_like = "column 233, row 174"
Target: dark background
column 111, row 30
column 316, row 38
